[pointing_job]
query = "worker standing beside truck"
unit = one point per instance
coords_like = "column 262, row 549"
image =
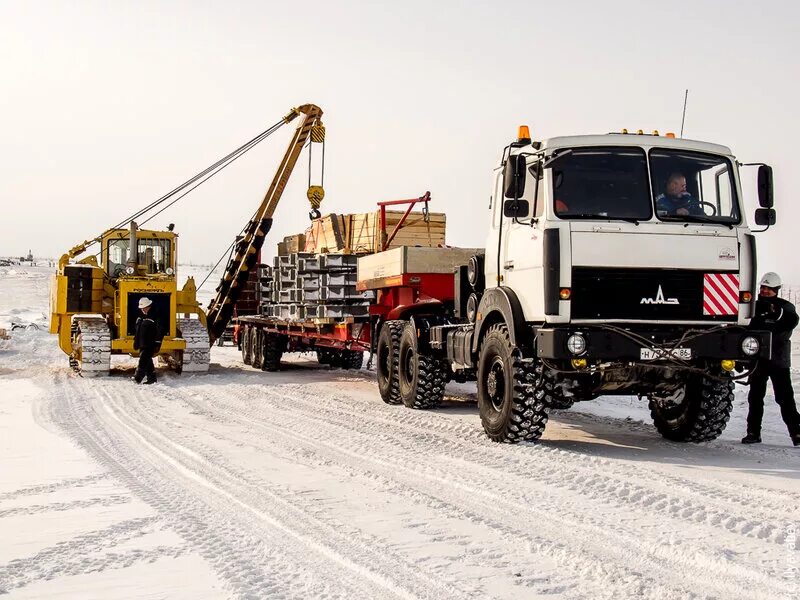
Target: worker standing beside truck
column 146, row 342
column 780, row 317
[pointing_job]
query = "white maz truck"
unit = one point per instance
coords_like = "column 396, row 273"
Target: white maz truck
column 614, row 264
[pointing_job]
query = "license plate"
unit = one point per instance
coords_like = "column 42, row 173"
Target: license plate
column 681, row 353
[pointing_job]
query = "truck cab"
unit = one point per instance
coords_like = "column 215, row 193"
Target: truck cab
column 597, row 237
column 614, row 264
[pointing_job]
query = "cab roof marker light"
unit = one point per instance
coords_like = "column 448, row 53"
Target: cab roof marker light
column 524, row 134
column 640, row 132
column 670, row 135
column 655, row 131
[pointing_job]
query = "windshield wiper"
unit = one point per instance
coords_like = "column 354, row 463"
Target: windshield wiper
column 694, row 219
column 633, row 220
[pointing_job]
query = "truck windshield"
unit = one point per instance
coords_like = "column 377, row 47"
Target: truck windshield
column 602, row 183
column 693, row 186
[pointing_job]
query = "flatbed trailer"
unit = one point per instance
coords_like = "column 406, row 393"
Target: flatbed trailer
column 339, row 343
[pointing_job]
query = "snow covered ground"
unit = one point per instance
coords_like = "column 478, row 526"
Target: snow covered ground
column 303, row 484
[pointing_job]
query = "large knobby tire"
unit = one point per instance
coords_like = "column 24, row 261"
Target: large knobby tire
column 511, row 400
column 257, row 348
column 387, row 354
column 351, row 359
column 698, row 412
column 422, row 378
column 274, row 345
column 247, row 356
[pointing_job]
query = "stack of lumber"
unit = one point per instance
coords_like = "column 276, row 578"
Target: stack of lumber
column 292, row 243
column 360, row 233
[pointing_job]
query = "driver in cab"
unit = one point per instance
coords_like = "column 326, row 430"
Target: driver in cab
column 676, row 200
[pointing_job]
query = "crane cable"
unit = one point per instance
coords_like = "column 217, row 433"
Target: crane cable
column 203, row 175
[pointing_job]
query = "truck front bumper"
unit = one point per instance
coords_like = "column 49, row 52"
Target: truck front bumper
column 621, row 344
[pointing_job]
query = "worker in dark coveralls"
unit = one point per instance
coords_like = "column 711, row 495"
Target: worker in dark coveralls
column 146, row 340
column 780, row 317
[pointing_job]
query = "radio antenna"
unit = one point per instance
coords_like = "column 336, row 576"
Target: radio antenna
column 683, row 118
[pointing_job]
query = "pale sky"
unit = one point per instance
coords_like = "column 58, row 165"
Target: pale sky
column 108, row 105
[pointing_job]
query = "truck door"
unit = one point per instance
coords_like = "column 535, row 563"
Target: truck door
column 522, row 247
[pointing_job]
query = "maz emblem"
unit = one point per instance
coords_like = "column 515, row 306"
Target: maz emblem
column 659, row 299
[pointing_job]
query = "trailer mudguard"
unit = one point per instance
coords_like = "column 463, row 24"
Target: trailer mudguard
column 501, row 305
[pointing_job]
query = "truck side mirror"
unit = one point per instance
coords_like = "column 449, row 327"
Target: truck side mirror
column 766, row 216
column 516, row 208
column 766, row 198
column 514, row 177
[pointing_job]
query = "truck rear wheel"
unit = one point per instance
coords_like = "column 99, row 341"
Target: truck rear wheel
column 511, row 401
column 388, row 355
column 257, row 348
column 274, row 345
column 697, row 412
column 247, row 356
column 421, row 378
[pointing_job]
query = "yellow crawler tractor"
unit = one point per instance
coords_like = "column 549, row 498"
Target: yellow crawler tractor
column 94, row 306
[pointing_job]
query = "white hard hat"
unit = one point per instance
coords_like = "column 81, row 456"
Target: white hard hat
column 771, row 279
column 145, row 302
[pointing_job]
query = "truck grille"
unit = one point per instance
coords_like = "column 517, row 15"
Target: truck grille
column 639, row 294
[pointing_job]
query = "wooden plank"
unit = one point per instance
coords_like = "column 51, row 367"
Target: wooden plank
column 399, row 261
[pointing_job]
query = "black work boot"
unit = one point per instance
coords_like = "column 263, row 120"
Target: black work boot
column 795, row 439
column 150, row 380
column 751, row 438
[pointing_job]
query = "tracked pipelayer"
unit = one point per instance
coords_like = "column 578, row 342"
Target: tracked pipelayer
column 93, row 303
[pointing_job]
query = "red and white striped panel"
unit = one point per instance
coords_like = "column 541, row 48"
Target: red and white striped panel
column 720, row 294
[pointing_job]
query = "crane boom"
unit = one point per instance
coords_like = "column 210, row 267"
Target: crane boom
column 246, row 250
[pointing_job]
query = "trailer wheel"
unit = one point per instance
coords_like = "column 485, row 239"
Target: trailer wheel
column 388, row 354
column 697, row 412
column 247, row 356
column 324, row 356
column 422, row 378
column 274, row 345
column 257, row 348
column 512, row 403
column 351, row 359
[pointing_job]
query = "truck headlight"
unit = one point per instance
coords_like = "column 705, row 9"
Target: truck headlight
column 170, row 271
column 129, row 270
column 750, row 345
column 576, row 344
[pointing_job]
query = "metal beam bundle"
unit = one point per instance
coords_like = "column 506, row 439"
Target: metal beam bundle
column 306, row 286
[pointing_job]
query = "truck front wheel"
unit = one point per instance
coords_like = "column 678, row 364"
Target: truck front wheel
column 511, row 401
column 422, row 378
column 696, row 412
column 388, row 356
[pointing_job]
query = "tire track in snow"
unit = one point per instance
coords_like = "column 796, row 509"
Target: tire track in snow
column 724, row 570
column 62, row 506
column 49, row 488
column 593, row 477
column 314, row 560
column 71, row 556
